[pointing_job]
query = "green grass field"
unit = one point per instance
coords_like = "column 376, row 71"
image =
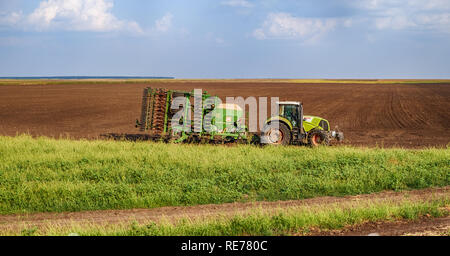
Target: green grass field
column 283, row 222
column 48, row 175
column 290, row 221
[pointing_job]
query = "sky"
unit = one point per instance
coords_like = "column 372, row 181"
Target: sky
column 226, row 38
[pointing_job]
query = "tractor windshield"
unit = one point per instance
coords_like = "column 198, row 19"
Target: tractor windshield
column 290, row 112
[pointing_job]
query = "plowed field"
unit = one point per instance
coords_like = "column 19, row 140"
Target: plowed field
column 406, row 115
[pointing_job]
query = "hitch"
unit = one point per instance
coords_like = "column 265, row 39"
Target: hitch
column 339, row 136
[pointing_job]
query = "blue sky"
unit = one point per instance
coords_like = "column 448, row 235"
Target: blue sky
column 226, row 38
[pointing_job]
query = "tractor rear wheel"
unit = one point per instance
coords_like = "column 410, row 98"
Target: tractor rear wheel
column 318, row 138
column 277, row 134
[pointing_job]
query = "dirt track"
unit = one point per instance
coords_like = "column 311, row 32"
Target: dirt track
column 42, row 220
column 422, row 227
column 407, row 115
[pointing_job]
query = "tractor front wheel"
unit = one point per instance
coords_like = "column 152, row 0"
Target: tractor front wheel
column 318, row 138
column 277, row 134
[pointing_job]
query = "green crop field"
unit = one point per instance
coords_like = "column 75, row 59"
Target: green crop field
column 290, row 221
column 48, row 175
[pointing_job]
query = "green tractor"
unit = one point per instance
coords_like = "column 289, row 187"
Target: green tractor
column 292, row 127
column 227, row 121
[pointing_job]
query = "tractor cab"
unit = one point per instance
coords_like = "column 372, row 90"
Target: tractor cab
column 291, row 110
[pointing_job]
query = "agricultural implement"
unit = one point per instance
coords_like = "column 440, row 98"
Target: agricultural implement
column 200, row 118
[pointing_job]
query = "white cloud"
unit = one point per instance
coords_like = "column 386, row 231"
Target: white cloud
column 286, row 26
column 259, row 34
column 393, row 18
column 164, row 23
column 74, row 15
column 80, row 15
column 220, row 40
column 216, row 39
column 348, row 22
column 237, row 3
column 403, row 14
column 404, row 4
column 10, row 19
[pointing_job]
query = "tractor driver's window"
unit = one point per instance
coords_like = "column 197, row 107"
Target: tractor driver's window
column 291, row 114
column 281, row 110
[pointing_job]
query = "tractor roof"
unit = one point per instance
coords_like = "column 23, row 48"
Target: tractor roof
column 230, row 106
column 288, row 103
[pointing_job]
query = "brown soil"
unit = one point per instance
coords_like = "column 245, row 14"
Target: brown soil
column 406, row 115
column 20, row 221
